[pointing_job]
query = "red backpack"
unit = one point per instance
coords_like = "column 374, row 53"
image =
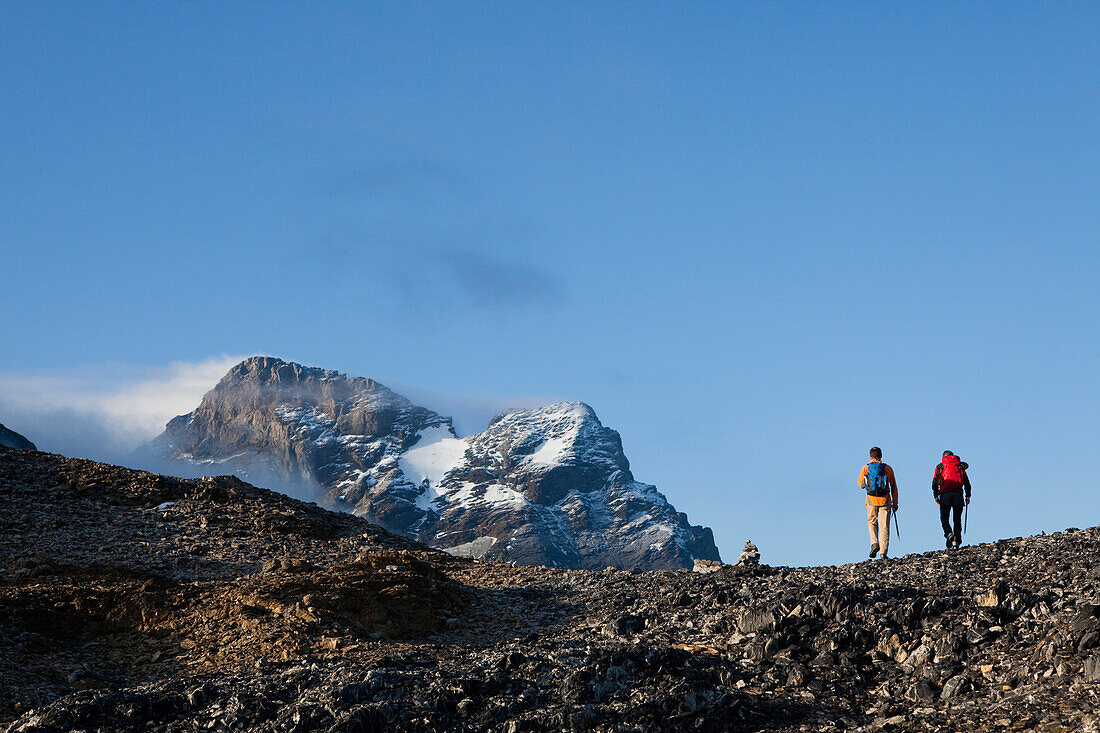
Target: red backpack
column 952, row 477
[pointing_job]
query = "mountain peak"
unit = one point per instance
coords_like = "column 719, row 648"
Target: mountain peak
column 564, row 412
column 563, row 433
column 11, row 439
column 272, row 370
column 268, row 379
column 548, row 485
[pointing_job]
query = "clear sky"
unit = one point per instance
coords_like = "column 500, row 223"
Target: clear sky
column 758, row 238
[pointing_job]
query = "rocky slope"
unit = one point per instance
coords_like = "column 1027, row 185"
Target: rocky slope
column 549, row 486
column 11, row 439
column 132, row 601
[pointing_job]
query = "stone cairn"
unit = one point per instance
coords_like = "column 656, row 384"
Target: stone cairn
column 750, row 555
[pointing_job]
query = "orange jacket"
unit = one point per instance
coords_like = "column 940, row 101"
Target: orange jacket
column 891, row 482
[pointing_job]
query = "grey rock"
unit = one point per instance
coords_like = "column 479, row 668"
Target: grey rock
column 706, row 566
column 955, row 686
column 1092, row 669
column 796, row 677
column 995, row 596
column 1087, row 618
column 923, row 691
column 755, row 621
column 920, row 656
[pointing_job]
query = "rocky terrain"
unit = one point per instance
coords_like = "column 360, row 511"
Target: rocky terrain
column 133, row 601
column 549, row 486
column 11, row 439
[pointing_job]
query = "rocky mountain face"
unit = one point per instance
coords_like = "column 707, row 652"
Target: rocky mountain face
column 303, row 430
column 549, row 486
column 12, row 439
column 131, row 601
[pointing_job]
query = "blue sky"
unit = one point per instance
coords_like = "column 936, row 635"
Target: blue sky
column 757, row 238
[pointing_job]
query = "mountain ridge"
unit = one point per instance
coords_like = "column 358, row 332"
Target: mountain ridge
column 11, row 439
column 550, row 485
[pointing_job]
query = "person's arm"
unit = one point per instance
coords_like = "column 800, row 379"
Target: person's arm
column 863, row 478
column 893, row 482
column 936, row 479
column 966, row 484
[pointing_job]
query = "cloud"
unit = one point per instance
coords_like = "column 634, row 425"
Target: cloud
column 422, row 227
column 417, row 276
column 492, row 281
column 411, row 177
column 470, row 413
column 104, row 412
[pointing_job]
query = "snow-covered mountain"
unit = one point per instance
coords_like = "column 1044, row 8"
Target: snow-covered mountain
column 11, row 439
column 546, row 486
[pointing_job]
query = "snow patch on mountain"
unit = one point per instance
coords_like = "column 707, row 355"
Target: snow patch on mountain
column 433, row 456
column 551, row 452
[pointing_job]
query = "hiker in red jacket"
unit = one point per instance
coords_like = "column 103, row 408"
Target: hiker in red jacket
column 949, row 484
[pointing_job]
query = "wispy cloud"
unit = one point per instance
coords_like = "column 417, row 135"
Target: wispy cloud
column 493, row 281
column 104, row 412
column 410, row 177
column 470, row 413
column 426, row 229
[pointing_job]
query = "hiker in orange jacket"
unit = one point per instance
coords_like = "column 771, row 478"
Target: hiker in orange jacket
column 882, row 498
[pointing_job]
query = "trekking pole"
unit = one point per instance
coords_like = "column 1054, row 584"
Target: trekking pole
column 897, row 530
column 966, row 515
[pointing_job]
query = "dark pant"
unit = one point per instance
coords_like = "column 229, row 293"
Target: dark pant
column 951, row 503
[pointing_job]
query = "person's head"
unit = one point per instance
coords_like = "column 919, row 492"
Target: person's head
column 947, row 453
column 876, row 453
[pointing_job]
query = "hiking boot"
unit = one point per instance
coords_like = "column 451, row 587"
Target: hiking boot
column 874, row 551
column 950, row 541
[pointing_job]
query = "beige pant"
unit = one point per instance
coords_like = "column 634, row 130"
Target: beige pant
column 878, row 526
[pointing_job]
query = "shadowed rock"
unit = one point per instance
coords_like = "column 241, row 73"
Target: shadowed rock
column 133, row 601
column 11, row 439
